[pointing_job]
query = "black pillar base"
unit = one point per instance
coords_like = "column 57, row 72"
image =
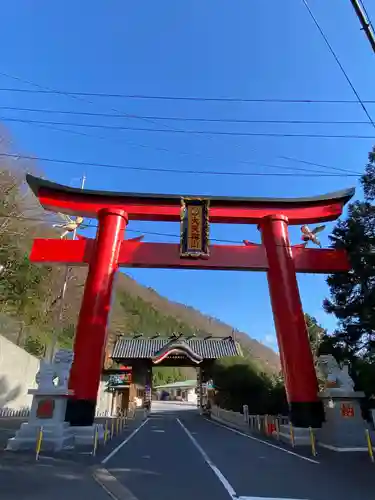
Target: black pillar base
column 80, row 412
column 309, row 414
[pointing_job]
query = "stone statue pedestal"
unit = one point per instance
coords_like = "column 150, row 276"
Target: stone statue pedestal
column 47, row 411
column 85, row 435
column 344, row 428
column 301, row 435
column 48, row 408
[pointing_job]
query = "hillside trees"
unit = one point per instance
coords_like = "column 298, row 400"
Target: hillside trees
column 352, row 294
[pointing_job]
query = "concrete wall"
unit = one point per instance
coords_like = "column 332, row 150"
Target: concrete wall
column 104, row 402
column 17, row 375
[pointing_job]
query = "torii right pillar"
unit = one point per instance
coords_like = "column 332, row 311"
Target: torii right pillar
column 306, row 409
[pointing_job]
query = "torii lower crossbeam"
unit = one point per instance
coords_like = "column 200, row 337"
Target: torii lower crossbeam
column 167, row 256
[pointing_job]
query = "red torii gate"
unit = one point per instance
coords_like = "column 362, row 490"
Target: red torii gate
column 109, row 251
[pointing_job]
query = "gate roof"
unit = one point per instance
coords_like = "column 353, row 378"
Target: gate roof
column 143, row 348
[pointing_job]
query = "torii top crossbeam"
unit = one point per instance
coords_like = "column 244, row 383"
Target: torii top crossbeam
column 167, row 208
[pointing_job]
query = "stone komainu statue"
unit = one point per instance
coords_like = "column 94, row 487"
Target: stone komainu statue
column 62, row 362
column 334, row 376
column 55, row 374
column 46, row 376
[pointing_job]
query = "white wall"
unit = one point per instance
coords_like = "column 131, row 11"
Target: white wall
column 104, row 401
column 191, row 396
column 17, row 375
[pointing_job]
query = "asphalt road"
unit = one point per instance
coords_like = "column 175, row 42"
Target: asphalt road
column 8, row 428
column 178, row 455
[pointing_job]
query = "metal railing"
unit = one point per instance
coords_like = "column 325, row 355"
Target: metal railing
column 25, row 412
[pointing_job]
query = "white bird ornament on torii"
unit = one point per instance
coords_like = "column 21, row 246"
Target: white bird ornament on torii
column 311, row 235
column 70, row 225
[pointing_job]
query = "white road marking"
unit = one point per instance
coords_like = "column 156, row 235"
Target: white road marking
column 126, row 440
column 158, row 430
column 264, row 498
column 289, row 452
column 224, row 481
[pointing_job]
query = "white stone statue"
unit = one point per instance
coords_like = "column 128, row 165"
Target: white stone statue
column 62, row 362
column 335, row 376
column 55, row 374
column 45, row 376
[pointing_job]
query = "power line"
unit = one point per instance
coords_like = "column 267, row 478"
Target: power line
column 186, row 98
column 82, row 98
column 364, row 19
column 95, row 225
column 148, row 233
column 156, row 148
column 193, row 132
column 183, row 153
column 177, row 171
column 184, row 118
column 367, row 14
column 351, row 85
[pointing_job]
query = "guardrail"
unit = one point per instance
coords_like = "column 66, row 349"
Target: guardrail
column 266, row 424
column 25, row 412
column 278, row 427
column 11, row 412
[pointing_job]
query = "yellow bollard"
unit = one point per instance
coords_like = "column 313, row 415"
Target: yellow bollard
column 313, row 442
column 39, row 443
column 112, row 427
column 277, row 425
column 292, row 442
column 96, row 439
column 369, row 445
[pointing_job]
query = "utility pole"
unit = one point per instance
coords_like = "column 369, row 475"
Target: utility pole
column 63, row 292
column 365, row 22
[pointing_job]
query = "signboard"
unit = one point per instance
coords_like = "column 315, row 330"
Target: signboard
column 347, row 410
column 195, row 228
column 123, row 379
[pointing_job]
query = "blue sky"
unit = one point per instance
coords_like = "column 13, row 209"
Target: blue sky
column 245, row 49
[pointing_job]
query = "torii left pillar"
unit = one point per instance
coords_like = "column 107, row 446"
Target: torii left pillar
column 90, row 337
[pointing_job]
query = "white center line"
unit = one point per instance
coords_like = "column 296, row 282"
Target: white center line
column 271, row 445
column 224, row 481
column 126, row 440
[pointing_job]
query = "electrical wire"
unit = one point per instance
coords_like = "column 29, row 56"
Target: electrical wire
column 95, row 225
column 332, row 51
column 367, row 15
column 148, row 233
column 185, row 98
column 180, row 172
column 185, row 119
column 156, row 148
column 193, row 132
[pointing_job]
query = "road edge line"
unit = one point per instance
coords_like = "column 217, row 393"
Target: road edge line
column 271, row 445
column 123, row 443
column 111, row 485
